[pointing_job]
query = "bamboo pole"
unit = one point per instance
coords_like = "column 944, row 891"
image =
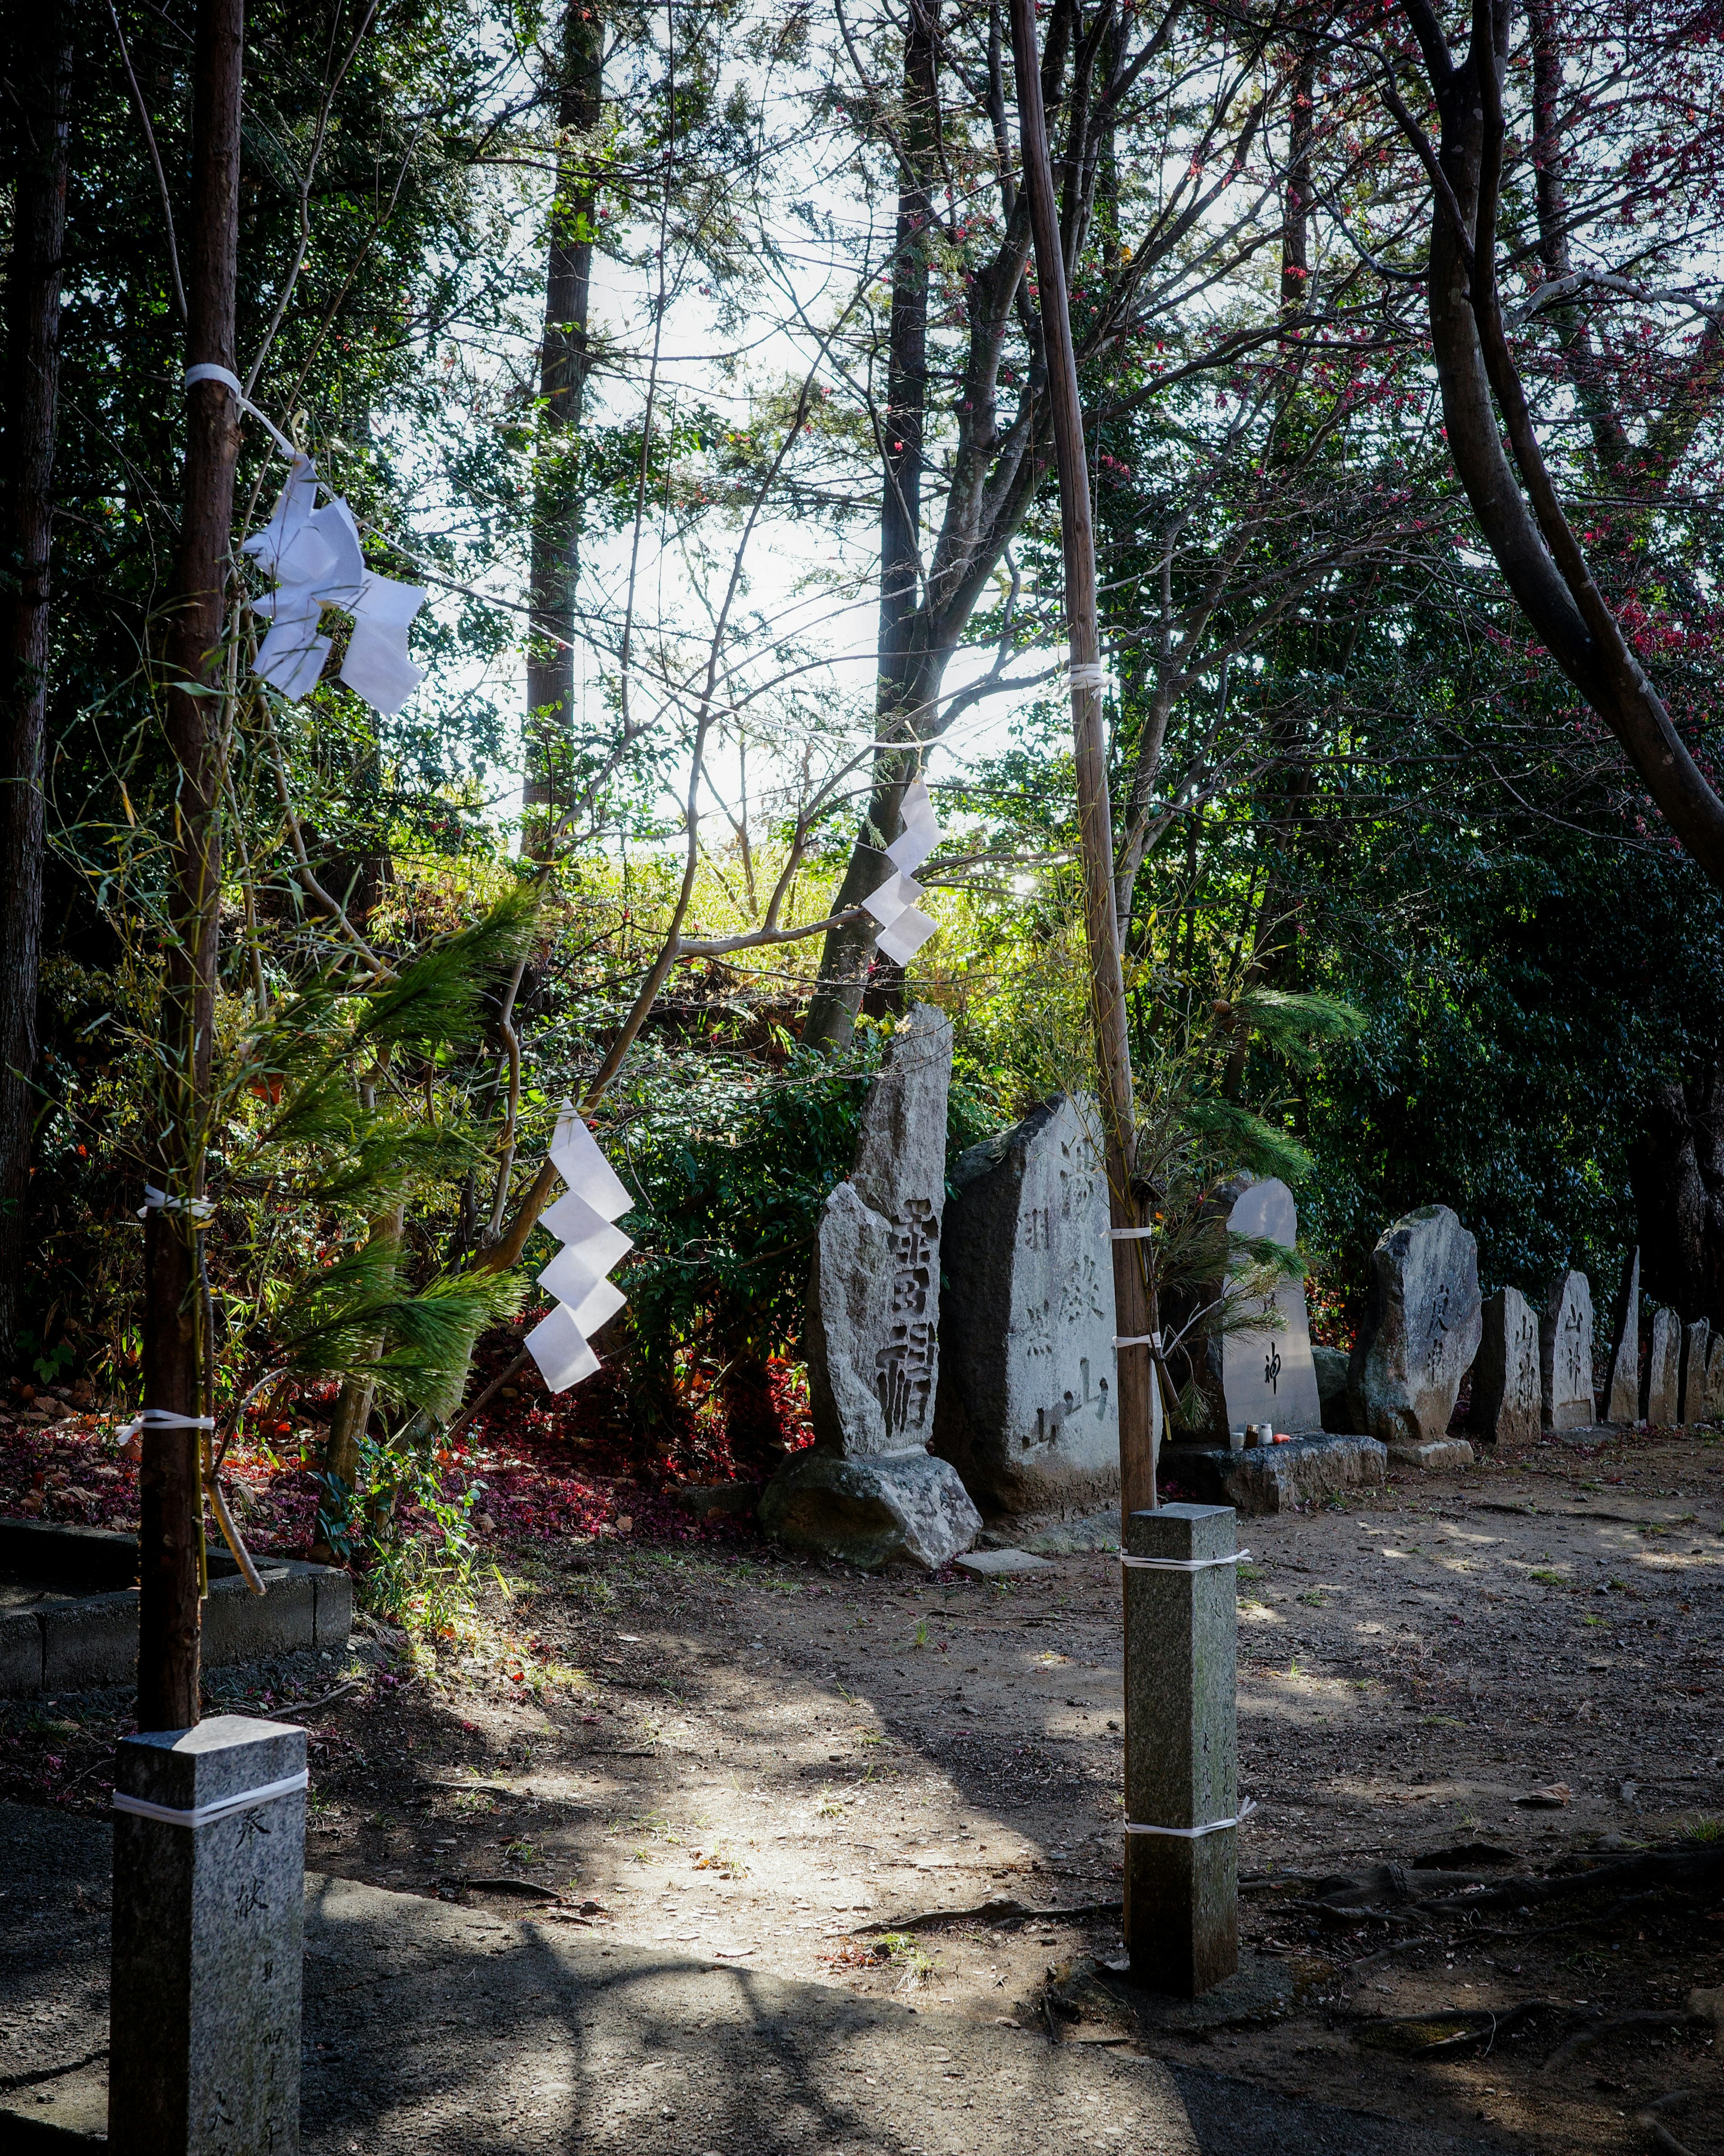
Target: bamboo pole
column 1107, row 992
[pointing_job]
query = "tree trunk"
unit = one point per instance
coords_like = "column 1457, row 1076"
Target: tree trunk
column 175, row 1376
column 565, row 363
column 33, row 291
column 1107, row 990
column 905, row 686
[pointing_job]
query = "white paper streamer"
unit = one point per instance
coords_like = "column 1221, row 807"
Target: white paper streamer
column 897, row 904
column 315, row 558
column 584, row 1220
column 162, row 1418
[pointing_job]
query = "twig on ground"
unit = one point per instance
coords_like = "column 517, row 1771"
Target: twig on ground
column 311, row 1706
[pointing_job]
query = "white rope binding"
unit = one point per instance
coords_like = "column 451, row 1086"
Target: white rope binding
column 1087, row 674
column 1181, row 1563
column 158, row 1201
column 1196, row 1833
column 207, row 371
column 1125, row 1234
column 219, row 1808
column 163, row 1419
column 1137, row 1340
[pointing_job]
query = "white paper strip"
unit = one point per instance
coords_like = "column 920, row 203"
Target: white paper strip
column 577, row 1158
column 559, row 1347
column 315, row 557
column 590, row 1237
column 906, row 936
column 921, row 834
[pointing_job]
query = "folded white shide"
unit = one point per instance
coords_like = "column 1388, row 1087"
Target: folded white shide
column 903, row 927
column 582, row 1220
column 315, row 558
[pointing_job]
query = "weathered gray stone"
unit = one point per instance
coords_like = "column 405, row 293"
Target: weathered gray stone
column 20, row 1654
column 1268, row 1376
column 1505, row 1403
column 873, row 1331
column 1329, row 1365
column 1421, row 1328
column 1278, row 1478
column 1565, row 1354
column 204, row 2041
column 1660, row 1391
column 1182, row 1755
column 906, row 1509
column 1027, row 1410
column 1714, row 1379
column 1696, row 1340
column 1433, row 1453
column 1622, row 1386
column 989, row 1564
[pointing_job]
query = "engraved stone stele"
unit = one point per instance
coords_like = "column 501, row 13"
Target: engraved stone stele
column 1659, row 1394
column 1505, row 1403
column 1027, row 1410
column 1696, row 1340
column 1268, row 1375
column 868, row 1493
column 1565, row 1354
column 1621, row 1386
column 204, row 2043
column 1714, row 1379
column 1420, row 1331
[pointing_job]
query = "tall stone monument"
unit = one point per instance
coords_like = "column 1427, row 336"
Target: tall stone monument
column 1504, row 1405
column 1028, row 1410
column 1696, row 1340
column 1621, row 1386
column 1565, row 1354
column 1714, row 1379
column 1421, row 1329
column 1268, row 1375
column 1659, row 1393
column 868, row 1491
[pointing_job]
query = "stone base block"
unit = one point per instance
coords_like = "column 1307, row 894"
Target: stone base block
column 1433, row 1452
column 897, row 1509
column 1276, row 1478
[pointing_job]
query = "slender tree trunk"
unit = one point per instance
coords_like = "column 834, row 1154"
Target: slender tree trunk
column 564, row 363
column 175, row 1378
column 904, row 688
column 1107, row 990
column 32, row 287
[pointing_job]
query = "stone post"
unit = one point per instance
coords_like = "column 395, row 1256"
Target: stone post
column 209, row 1855
column 1182, row 1765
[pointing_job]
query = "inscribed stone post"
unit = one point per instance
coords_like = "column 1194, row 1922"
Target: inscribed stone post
column 1565, row 1354
column 1621, row 1386
column 1182, row 1888
column 1420, row 1331
column 1506, row 1388
column 1027, row 1410
column 868, row 1491
column 1714, row 1379
column 1664, row 1368
column 1696, row 1340
column 1268, row 1376
column 209, row 1852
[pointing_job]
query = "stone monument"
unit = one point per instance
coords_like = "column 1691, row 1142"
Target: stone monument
column 1622, row 1386
column 1696, row 1340
column 1420, row 1331
column 1565, row 1354
column 1506, row 1386
column 1027, row 1410
column 1664, row 1368
column 868, row 1491
column 209, row 1859
column 1714, row 1379
column 1268, row 1375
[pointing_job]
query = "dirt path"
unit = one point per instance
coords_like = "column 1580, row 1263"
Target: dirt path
column 764, row 1761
